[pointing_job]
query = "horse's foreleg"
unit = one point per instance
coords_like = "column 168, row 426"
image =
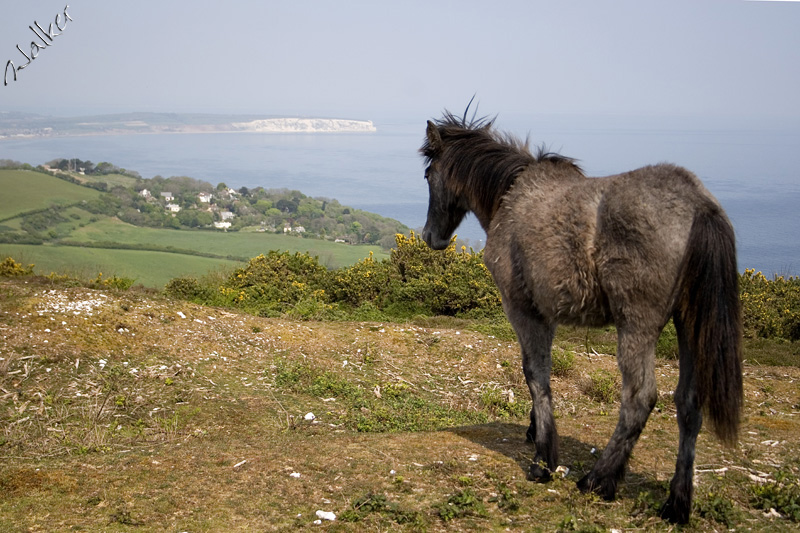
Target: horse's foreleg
column 678, row 506
column 535, row 338
column 636, row 360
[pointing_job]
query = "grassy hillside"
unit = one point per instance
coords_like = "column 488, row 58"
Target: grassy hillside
column 238, row 244
column 23, row 190
column 24, row 214
column 151, row 269
column 126, row 412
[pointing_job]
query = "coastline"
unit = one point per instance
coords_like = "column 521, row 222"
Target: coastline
column 41, row 127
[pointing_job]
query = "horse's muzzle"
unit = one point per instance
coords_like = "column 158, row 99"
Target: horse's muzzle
column 435, row 242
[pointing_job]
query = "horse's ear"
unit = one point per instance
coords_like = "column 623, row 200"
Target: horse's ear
column 434, row 138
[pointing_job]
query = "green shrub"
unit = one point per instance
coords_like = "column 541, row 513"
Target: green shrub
column 447, row 282
column 274, row 283
column 187, row 288
column 368, row 281
column 770, row 308
column 10, row 268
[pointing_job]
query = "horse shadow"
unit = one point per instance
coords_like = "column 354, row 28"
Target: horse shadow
column 509, row 439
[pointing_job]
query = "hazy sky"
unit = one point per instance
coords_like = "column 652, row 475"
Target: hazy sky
column 410, row 58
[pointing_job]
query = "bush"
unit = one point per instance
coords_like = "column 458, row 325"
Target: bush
column 415, row 281
column 10, row 268
column 447, row 282
column 770, row 308
column 368, row 281
column 187, row 288
column 273, row 284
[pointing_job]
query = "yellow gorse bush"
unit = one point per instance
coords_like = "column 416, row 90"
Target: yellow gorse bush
column 770, row 308
column 10, row 268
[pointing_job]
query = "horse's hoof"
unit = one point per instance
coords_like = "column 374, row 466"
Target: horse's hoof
column 605, row 488
column 674, row 512
column 539, row 473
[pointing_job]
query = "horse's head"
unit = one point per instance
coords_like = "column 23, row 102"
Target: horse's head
column 446, row 209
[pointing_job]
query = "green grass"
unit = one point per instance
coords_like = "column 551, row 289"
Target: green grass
column 112, row 180
column 151, row 269
column 24, row 190
column 237, row 244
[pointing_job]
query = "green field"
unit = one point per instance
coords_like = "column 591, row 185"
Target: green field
column 151, row 269
column 24, row 190
column 159, row 255
column 236, row 244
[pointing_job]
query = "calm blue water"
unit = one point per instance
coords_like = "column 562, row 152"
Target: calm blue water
column 750, row 167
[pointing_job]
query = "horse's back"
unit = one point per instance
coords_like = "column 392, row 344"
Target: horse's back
column 589, row 250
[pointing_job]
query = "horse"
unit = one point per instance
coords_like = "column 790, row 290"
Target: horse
column 634, row 249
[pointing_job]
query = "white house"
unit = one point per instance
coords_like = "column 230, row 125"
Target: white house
column 204, row 197
column 173, row 208
column 145, row 193
column 226, row 215
column 222, row 225
column 167, row 196
column 287, row 228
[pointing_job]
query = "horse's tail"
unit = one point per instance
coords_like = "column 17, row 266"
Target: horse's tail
column 708, row 307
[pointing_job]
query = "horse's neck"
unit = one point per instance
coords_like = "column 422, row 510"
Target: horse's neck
column 543, row 176
column 484, row 202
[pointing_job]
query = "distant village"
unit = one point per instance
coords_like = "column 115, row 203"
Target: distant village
column 184, row 202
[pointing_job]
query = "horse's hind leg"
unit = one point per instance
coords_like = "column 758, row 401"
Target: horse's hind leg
column 678, row 506
column 535, row 339
column 636, row 360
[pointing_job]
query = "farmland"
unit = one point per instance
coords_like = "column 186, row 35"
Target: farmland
column 56, row 225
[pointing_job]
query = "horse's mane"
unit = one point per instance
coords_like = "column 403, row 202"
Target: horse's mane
column 485, row 162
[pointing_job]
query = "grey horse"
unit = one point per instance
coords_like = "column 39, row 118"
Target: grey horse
column 635, row 249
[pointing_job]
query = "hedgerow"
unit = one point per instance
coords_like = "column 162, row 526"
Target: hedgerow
column 417, row 280
column 414, row 280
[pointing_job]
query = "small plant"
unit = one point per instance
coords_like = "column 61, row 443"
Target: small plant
column 506, row 499
column 602, row 387
column 783, row 495
column 114, row 282
column 570, row 523
column 462, row 503
column 124, row 517
column 378, row 503
column 563, row 362
column 502, row 403
column 717, row 507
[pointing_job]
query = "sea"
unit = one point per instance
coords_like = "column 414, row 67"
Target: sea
column 750, row 165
